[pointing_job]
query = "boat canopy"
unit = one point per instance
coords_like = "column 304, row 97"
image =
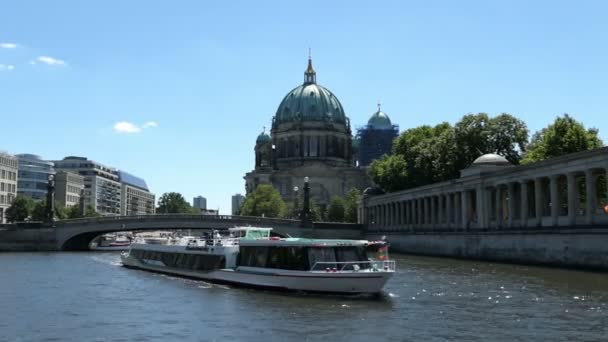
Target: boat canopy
column 251, row 233
column 303, row 242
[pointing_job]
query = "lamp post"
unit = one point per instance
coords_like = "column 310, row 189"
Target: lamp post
column 296, row 205
column 306, row 220
column 50, row 199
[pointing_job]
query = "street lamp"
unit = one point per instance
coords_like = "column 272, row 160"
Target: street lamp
column 296, row 205
column 306, row 221
column 50, row 196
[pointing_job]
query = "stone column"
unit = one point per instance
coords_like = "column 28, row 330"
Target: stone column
column 512, row 202
column 413, row 213
column 425, row 211
column 538, row 201
column 499, row 212
column 440, row 215
column 481, row 207
column 523, row 214
column 419, row 212
column 464, row 198
column 606, row 190
column 572, row 199
column 448, row 209
column 432, row 209
column 554, row 190
column 457, row 210
column 591, row 196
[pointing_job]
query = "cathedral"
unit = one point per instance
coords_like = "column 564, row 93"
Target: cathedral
column 311, row 137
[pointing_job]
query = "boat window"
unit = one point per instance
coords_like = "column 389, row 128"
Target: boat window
column 350, row 254
column 320, row 258
column 287, row 258
column 253, row 256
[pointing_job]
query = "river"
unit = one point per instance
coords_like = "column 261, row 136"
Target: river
column 90, row 297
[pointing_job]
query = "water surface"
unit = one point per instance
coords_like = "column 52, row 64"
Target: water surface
column 90, row 297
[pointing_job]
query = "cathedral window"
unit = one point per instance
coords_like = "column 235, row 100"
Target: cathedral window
column 314, row 145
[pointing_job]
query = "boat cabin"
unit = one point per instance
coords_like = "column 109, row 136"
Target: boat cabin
column 305, row 255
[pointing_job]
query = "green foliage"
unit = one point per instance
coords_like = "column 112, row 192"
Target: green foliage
column 351, row 205
column 426, row 154
column 39, row 211
column 335, row 211
column 390, row 172
column 565, row 135
column 72, row 212
column 20, row 209
column 264, row 201
column 289, row 212
column 173, row 203
column 90, row 212
column 478, row 134
column 61, row 213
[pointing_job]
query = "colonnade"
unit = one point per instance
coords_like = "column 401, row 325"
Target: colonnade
column 551, row 199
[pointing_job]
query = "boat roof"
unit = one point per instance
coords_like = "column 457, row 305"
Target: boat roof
column 304, row 242
column 235, row 229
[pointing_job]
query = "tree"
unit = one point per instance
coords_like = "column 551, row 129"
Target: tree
column 39, row 211
column 264, row 201
column 565, row 135
column 20, row 209
column 335, row 212
column 173, row 203
column 351, row 205
column 61, row 212
column 90, row 212
column 73, row 212
column 478, row 134
column 390, row 172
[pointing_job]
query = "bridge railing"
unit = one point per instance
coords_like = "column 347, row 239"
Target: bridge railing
column 189, row 217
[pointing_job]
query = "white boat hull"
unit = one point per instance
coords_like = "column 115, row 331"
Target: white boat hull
column 330, row 282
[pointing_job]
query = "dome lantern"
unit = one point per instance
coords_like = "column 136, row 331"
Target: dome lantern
column 310, row 76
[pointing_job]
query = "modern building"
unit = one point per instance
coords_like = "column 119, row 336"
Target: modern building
column 199, row 202
column 136, row 197
column 237, row 202
column 69, row 187
column 9, row 168
column 102, row 187
column 310, row 137
column 33, row 176
column 375, row 139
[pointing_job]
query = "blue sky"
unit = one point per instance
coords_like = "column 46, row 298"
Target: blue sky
column 207, row 76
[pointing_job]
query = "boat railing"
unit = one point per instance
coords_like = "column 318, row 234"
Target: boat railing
column 353, row 266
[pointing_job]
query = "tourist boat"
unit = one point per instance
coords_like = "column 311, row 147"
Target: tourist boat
column 111, row 243
column 251, row 257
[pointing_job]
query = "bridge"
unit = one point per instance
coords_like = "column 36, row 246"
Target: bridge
column 76, row 234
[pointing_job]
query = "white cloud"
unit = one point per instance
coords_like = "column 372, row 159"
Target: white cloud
column 150, row 124
column 8, row 67
column 126, row 127
column 129, row 127
column 8, row 45
column 51, row 61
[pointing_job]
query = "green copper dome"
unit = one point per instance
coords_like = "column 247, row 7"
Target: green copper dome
column 263, row 138
column 380, row 120
column 310, row 102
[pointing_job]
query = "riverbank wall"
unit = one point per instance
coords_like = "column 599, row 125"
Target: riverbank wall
column 28, row 240
column 569, row 248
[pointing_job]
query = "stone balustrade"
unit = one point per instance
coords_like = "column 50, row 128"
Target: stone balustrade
column 569, row 191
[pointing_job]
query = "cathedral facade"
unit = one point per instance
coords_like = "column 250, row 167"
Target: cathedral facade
column 310, row 137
